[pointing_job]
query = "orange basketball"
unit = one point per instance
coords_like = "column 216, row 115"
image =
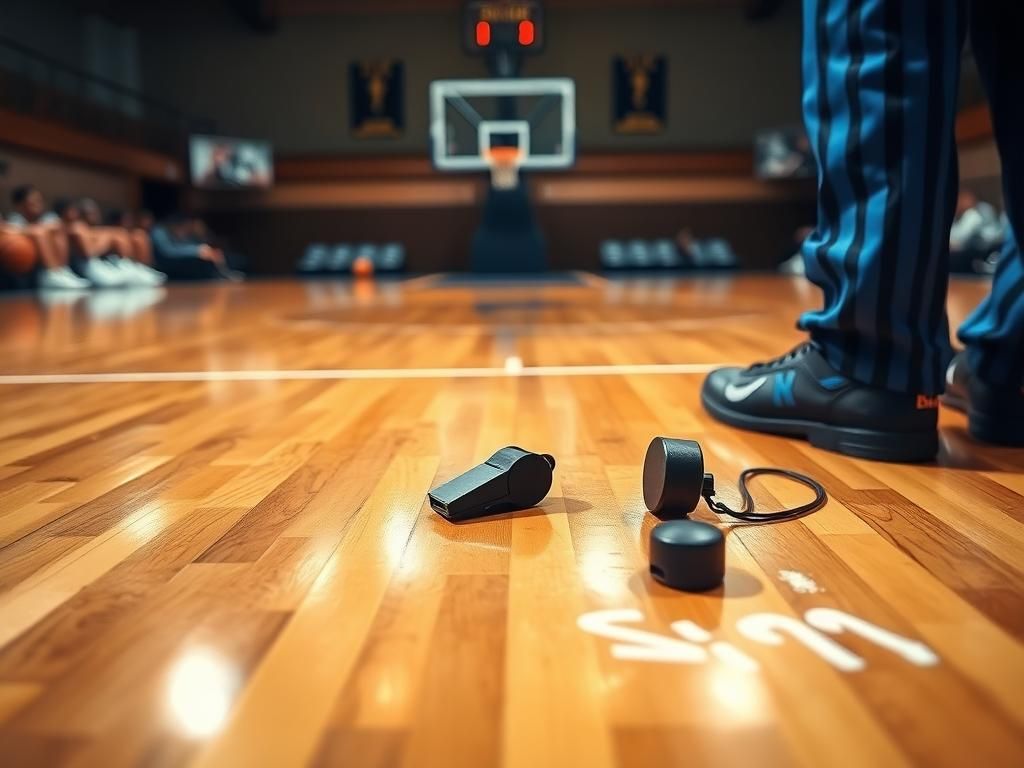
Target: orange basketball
column 17, row 254
column 362, row 267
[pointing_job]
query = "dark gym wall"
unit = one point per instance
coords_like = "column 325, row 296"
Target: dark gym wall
column 437, row 239
column 51, row 27
column 727, row 76
column 87, row 42
column 56, row 177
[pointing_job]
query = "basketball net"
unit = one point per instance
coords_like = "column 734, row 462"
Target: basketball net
column 504, row 164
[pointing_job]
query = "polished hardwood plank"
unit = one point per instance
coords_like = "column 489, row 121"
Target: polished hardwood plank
column 215, row 548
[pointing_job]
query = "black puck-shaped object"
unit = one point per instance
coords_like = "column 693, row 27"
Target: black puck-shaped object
column 674, row 478
column 688, row 555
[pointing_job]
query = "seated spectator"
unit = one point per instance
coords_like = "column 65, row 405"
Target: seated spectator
column 137, row 238
column 198, row 231
column 181, row 251
column 124, row 249
column 85, row 254
column 46, row 232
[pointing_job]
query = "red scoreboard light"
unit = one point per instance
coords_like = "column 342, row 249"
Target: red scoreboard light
column 527, row 32
column 504, row 25
column 483, row 34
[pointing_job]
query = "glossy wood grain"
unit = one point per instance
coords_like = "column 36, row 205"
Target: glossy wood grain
column 215, row 548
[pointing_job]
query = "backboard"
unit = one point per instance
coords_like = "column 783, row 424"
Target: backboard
column 470, row 117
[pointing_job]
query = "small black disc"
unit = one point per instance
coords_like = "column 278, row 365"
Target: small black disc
column 673, row 476
column 688, row 555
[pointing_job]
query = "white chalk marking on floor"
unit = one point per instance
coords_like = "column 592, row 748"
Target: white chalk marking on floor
column 800, row 582
column 341, row 374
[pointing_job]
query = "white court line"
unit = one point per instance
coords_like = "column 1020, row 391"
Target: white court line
column 359, row 373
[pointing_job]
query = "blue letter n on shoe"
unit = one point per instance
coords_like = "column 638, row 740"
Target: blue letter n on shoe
column 782, row 392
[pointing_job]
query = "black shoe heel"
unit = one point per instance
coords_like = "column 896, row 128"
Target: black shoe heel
column 998, row 430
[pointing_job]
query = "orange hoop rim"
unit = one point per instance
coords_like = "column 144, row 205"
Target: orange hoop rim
column 503, row 155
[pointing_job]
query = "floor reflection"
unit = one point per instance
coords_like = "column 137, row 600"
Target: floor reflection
column 201, row 687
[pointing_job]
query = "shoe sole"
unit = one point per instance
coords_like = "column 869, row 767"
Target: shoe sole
column 986, row 429
column 910, row 447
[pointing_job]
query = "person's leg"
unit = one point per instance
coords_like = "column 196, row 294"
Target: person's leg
column 120, row 243
column 99, row 242
column 48, row 256
column 142, row 250
column 53, row 248
column 880, row 82
column 994, row 333
column 92, row 244
column 61, row 246
column 987, row 380
column 80, row 244
column 133, row 257
column 883, row 137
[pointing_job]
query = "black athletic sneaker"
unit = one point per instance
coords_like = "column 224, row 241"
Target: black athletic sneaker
column 800, row 394
column 994, row 414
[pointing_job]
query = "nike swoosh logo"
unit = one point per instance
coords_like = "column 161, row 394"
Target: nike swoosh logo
column 735, row 394
column 949, row 373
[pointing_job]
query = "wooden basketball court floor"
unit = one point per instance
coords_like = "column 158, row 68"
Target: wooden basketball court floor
column 215, row 548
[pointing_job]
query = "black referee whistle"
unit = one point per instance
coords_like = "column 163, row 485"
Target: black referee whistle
column 510, row 480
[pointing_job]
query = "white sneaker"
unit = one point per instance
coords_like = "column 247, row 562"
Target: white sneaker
column 123, row 267
column 145, row 274
column 61, row 279
column 104, row 275
column 126, row 269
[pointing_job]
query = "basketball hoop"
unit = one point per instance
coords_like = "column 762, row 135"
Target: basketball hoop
column 504, row 163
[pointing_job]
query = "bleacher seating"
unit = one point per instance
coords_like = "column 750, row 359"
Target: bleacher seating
column 664, row 254
column 322, row 259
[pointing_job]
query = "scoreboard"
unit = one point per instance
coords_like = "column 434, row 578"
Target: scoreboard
column 491, row 25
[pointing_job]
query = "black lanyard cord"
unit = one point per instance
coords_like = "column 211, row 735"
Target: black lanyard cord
column 748, row 514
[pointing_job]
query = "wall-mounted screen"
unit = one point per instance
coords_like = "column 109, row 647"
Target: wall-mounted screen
column 222, row 163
